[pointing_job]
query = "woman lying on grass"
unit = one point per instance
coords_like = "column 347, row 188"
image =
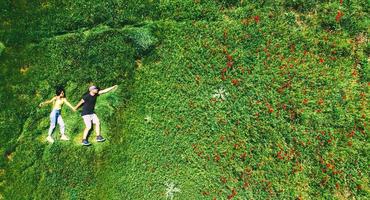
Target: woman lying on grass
column 55, row 115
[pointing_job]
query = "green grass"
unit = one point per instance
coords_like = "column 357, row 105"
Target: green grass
column 292, row 123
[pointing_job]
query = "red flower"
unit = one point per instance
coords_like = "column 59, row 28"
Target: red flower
column 223, row 77
column 354, row 73
column 351, row 134
column 269, row 107
column 320, row 102
column 230, row 64
column 280, row 157
column 229, row 57
column 292, row 48
column 322, row 161
column 217, row 157
column 243, row 156
column 321, row 60
column 205, row 193
column 359, row 187
column 223, row 179
column 335, row 172
column 235, row 82
column 232, row 195
column 330, row 166
column 232, row 156
column 341, row 2
column 339, row 15
column 256, row 18
column 245, row 185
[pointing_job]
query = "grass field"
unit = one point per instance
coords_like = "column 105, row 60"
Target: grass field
column 216, row 99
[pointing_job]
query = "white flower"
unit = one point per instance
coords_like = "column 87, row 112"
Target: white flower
column 170, row 190
column 220, row 94
column 148, row 119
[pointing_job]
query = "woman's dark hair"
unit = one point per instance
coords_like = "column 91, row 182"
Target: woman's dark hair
column 59, row 90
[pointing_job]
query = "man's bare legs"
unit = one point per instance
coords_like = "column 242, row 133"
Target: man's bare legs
column 97, row 129
column 86, row 132
column 89, row 120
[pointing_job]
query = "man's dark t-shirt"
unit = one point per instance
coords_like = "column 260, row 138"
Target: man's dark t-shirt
column 89, row 104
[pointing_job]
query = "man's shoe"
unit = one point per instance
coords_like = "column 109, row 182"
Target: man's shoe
column 100, row 139
column 64, row 137
column 50, row 139
column 85, row 143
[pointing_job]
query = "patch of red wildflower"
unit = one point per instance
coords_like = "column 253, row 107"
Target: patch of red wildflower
column 256, row 18
column 339, row 16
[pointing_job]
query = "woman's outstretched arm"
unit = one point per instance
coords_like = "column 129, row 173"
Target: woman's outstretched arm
column 69, row 104
column 47, row 102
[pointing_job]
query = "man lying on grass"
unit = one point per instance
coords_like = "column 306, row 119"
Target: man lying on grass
column 88, row 114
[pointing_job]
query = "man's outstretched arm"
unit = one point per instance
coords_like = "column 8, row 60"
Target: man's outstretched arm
column 108, row 89
column 79, row 104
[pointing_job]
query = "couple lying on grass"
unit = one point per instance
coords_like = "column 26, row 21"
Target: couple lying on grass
column 88, row 101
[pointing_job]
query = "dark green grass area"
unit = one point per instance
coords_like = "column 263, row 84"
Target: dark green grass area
column 222, row 99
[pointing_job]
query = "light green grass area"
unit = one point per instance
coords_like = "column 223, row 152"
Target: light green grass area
column 216, row 99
